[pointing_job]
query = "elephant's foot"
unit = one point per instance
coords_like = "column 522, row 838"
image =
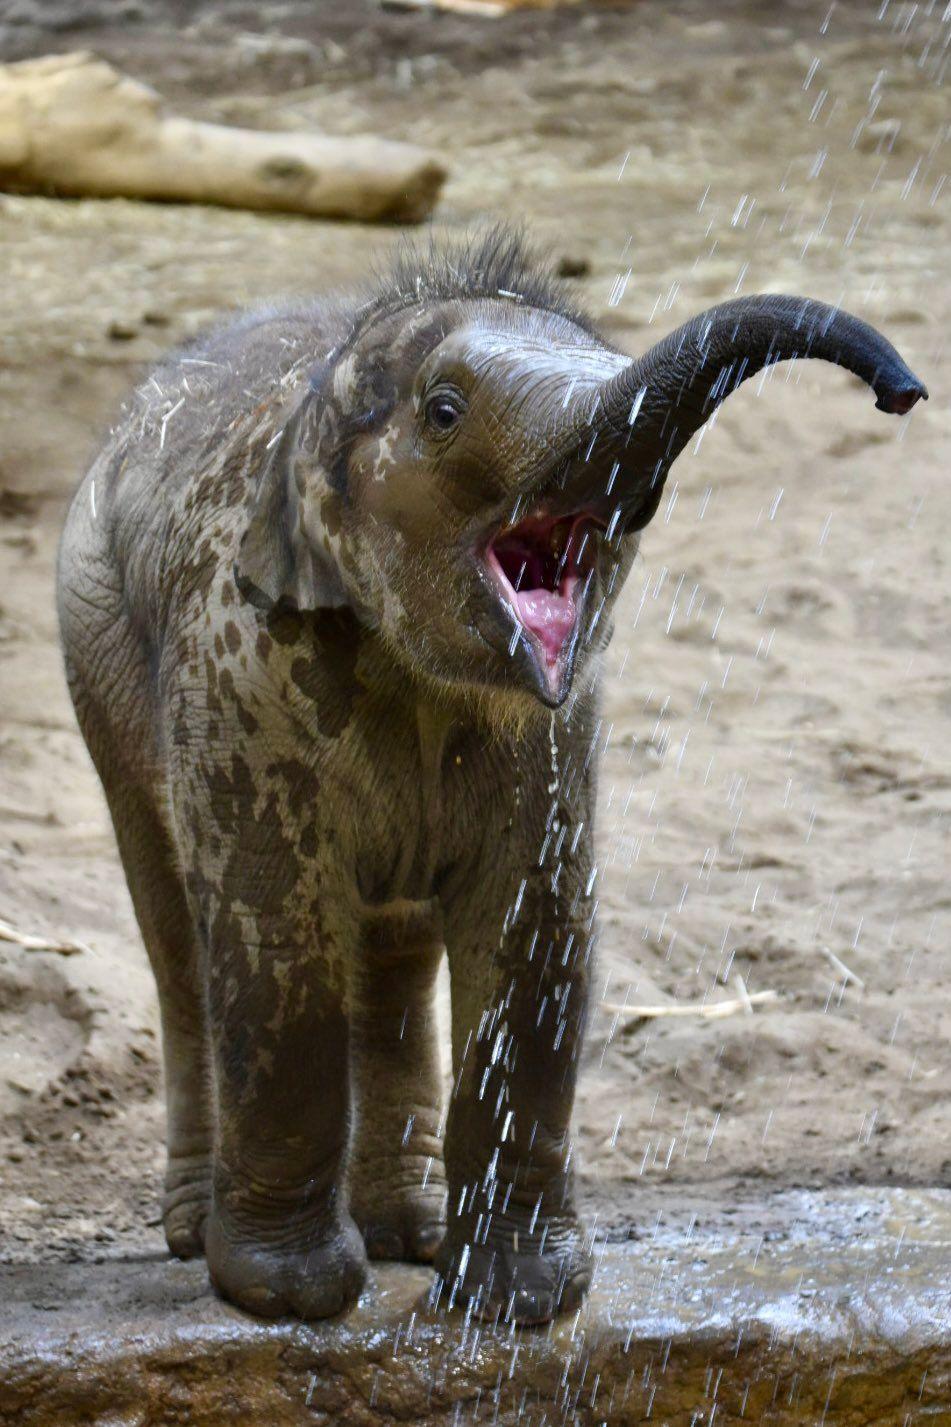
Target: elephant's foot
column 295, row 1269
column 185, row 1204
column 408, row 1227
column 526, row 1279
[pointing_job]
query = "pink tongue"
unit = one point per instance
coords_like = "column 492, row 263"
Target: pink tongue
column 549, row 616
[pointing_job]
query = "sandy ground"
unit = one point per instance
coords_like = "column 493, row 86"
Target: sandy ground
column 776, row 782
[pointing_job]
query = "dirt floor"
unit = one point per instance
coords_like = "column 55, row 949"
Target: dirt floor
column 776, row 782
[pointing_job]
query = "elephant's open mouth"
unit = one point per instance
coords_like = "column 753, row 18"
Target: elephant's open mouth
column 538, row 566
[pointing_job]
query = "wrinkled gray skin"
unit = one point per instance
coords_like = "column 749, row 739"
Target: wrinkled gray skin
column 331, row 750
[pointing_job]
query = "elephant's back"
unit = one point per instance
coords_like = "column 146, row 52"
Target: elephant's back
column 204, row 407
column 175, row 473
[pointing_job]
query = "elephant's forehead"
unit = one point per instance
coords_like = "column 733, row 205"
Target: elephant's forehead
column 511, row 355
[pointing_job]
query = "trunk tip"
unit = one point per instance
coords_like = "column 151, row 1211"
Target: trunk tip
column 899, row 399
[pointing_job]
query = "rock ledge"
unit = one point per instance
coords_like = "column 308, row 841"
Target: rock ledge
column 830, row 1307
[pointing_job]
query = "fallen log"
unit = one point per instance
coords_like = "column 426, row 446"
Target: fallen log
column 72, row 125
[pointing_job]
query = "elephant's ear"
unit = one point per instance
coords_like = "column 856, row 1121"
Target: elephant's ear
column 284, row 556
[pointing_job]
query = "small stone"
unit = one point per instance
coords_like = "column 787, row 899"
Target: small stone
column 572, row 265
column 120, row 331
column 880, row 136
column 17, row 504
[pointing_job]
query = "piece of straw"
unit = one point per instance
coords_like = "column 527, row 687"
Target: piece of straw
column 29, row 942
column 705, row 1010
column 844, row 971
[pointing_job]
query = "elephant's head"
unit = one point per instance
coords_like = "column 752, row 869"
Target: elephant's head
column 471, row 468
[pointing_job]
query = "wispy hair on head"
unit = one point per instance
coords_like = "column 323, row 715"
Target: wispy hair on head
column 494, row 262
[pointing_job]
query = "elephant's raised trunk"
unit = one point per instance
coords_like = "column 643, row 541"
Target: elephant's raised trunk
column 651, row 409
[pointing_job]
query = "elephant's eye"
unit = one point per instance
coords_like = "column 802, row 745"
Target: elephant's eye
column 443, row 411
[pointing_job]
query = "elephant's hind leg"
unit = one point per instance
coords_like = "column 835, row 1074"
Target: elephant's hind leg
column 158, row 896
column 109, row 682
column 397, row 1185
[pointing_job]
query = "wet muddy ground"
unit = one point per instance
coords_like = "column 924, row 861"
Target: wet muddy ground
column 776, row 782
column 834, row 1311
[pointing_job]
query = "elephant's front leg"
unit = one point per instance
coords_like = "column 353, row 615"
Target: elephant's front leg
column 514, row 1247
column 280, row 1240
column 397, row 1188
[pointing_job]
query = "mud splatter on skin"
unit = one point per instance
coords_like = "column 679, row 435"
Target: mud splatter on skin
column 326, row 675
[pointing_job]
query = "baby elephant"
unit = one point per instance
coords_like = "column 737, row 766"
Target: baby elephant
column 333, row 600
